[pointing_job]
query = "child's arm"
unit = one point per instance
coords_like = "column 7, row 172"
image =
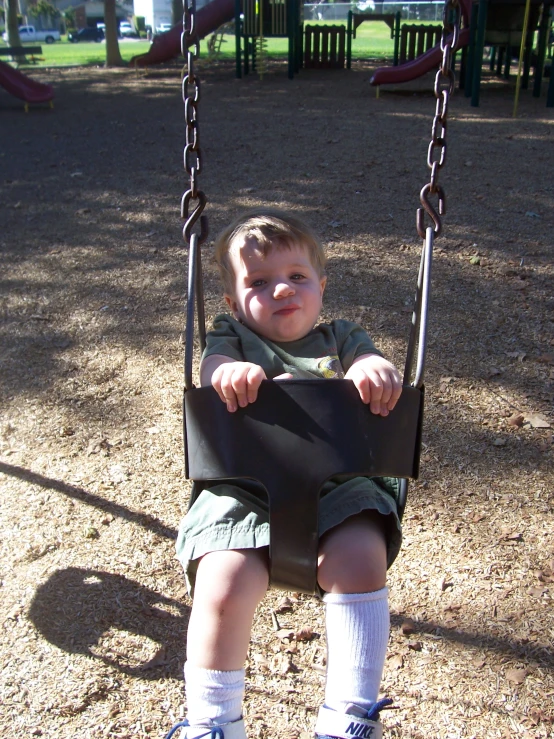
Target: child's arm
column 378, row 382
column 236, row 383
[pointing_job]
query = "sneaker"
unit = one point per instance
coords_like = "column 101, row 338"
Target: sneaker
column 354, row 723
column 233, row 730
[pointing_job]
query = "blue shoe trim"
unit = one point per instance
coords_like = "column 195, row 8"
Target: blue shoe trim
column 179, row 725
column 373, row 713
column 215, row 733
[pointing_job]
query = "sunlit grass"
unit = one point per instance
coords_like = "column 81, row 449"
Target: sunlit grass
column 373, row 41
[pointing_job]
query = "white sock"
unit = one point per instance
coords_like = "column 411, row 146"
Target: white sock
column 213, row 695
column 357, row 638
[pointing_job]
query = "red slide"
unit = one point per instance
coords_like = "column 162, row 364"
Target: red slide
column 167, row 46
column 416, row 68
column 424, row 63
column 23, row 87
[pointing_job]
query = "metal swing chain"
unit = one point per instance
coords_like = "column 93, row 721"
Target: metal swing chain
column 436, row 156
column 194, row 200
column 443, row 89
column 192, row 155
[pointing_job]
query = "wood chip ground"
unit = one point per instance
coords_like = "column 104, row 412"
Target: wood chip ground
column 94, row 609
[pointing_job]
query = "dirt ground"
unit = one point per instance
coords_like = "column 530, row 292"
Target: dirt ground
column 94, row 609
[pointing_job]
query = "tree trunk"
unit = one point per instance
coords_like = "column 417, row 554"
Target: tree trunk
column 113, row 55
column 176, row 11
column 11, row 23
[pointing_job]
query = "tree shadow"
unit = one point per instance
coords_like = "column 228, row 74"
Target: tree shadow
column 80, row 611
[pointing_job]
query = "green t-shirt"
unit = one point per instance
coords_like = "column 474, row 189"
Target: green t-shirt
column 326, row 352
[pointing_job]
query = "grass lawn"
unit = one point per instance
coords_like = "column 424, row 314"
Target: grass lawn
column 64, row 53
column 373, row 41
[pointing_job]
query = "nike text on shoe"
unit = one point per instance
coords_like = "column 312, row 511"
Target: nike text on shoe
column 355, row 723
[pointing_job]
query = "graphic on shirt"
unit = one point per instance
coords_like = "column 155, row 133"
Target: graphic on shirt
column 331, row 368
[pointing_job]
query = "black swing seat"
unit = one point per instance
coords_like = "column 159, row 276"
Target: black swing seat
column 297, row 435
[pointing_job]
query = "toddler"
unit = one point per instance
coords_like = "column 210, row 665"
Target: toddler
column 273, row 272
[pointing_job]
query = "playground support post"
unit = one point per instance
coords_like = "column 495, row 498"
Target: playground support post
column 544, row 30
column 468, row 87
column 521, row 53
column 550, row 96
column 349, row 41
column 396, row 37
column 292, row 40
column 483, row 8
column 238, row 35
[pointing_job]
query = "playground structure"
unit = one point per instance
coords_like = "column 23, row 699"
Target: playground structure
column 23, row 87
column 498, row 24
column 257, row 20
column 325, row 47
column 493, row 23
column 508, row 26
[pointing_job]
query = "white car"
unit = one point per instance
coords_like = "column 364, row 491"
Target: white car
column 163, row 28
column 126, row 29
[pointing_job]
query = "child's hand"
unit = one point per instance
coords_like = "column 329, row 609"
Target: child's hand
column 237, row 383
column 378, row 382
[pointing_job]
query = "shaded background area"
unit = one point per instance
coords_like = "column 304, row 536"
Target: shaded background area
column 92, row 298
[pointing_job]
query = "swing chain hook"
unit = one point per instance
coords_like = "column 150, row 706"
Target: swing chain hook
column 443, row 89
column 192, row 155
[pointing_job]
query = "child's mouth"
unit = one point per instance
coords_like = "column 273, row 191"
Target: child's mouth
column 287, row 310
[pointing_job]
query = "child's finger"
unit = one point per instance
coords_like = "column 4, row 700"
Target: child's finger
column 387, row 388
column 396, row 391
column 361, row 381
column 240, row 385
column 222, row 384
column 376, row 394
column 254, row 379
column 228, row 391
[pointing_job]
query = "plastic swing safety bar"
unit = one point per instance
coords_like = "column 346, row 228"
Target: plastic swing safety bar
column 299, row 433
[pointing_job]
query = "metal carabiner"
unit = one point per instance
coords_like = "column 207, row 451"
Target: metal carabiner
column 193, row 217
column 429, row 208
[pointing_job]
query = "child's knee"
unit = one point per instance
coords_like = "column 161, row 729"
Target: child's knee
column 353, row 556
column 233, row 575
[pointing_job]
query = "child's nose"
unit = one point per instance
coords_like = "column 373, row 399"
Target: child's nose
column 282, row 289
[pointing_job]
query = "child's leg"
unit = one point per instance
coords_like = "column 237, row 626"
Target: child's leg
column 352, row 571
column 229, row 585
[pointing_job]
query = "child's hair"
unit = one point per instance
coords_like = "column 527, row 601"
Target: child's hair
column 270, row 228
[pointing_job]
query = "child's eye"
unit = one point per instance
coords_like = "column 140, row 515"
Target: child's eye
column 297, row 277
column 257, row 283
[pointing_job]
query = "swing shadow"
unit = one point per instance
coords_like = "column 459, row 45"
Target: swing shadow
column 76, row 609
column 145, row 520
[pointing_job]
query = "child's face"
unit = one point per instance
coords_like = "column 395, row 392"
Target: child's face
column 279, row 295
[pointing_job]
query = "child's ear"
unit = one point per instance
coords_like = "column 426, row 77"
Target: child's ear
column 232, row 303
column 322, row 283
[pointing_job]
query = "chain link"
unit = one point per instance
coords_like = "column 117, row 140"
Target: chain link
column 443, row 89
column 194, row 200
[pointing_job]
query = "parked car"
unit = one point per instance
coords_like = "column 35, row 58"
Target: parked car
column 163, row 28
column 86, row 34
column 126, row 30
column 30, row 33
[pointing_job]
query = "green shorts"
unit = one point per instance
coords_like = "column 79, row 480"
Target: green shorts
column 228, row 516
